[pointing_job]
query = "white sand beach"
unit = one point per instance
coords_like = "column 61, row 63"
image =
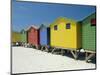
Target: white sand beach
column 31, row 60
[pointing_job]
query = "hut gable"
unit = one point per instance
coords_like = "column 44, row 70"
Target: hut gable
column 61, row 20
column 32, row 26
column 89, row 16
column 22, row 31
column 42, row 27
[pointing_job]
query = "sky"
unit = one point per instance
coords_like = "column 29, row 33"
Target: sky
column 25, row 14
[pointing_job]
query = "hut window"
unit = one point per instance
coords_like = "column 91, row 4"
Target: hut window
column 55, row 27
column 93, row 22
column 68, row 26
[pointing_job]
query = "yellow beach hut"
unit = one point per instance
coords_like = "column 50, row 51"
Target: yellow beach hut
column 16, row 37
column 65, row 33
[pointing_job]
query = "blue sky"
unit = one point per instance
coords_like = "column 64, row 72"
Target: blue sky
column 28, row 13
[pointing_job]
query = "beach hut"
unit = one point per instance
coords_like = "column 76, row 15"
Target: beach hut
column 89, row 35
column 16, row 38
column 33, row 36
column 65, row 34
column 44, row 37
column 23, row 36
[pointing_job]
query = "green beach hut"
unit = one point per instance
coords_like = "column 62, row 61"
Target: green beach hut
column 89, row 35
column 23, row 36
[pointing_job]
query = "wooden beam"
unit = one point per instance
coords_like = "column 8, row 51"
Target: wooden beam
column 62, row 52
column 74, row 53
column 46, row 49
column 90, row 51
column 42, row 48
column 88, row 56
column 53, row 50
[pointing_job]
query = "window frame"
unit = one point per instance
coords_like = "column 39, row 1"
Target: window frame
column 68, row 25
column 93, row 23
column 55, row 27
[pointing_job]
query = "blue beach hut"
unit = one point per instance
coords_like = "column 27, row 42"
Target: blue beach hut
column 44, row 37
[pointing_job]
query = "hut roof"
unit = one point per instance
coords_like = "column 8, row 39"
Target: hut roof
column 62, row 19
column 43, row 26
column 88, row 16
column 34, row 26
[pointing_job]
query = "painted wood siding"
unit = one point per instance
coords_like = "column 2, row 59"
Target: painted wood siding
column 44, row 36
column 88, row 34
column 79, row 34
column 24, row 37
column 16, row 37
column 33, row 36
column 62, row 37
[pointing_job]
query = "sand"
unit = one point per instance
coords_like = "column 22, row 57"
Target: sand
column 31, row 60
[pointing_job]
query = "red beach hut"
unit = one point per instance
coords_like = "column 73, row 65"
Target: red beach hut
column 33, row 36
